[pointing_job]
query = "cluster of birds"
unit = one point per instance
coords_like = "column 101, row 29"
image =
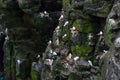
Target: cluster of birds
column 44, row 14
column 49, row 61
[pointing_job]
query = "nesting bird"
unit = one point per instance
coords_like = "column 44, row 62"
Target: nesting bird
column 38, row 56
column 77, row 58
column 69, row 57
column 100, row 33
column 61, row 17
column 73, row 28
column 58, row 27
column 90, row 36
column 18, row 61
column 112, row 22
column 105, row 51
column 50, row 42
column 54, row 54
column 117, row 42
column 90, row 62
column 51, row 51
column 46, row 14
column 66, row 23
column 64, row 35
column 57, row 42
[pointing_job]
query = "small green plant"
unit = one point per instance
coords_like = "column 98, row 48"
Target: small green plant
column 83, row 26
column 81, row 51
column 2, row 5
column 108, row 34
column 66, row 5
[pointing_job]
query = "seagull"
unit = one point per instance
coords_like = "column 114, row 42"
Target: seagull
column 61, row 17
column 112, row 22
column 117, row 42
column 73, row 28
column 50, row 42
column 100, row 33
column 90, row 62
column 51, row 51
column 69, row 57
column 58, row 27
column 38, row 56
column 57, row 42
column 18, row 61
column 105, row 51
column 90, row 36
column 46, row 14
column 64, row 35
column 54, row 53
column 66, row 23
column 76, row 58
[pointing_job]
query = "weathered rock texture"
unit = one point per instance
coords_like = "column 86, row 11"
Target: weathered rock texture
column 89, row 30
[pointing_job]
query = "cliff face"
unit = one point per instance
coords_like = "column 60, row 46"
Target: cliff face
column 86, row 42
column 83, row 46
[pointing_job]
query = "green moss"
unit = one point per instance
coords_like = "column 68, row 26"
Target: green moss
column 81, row 51
column 83, row 26
column 58, row 69
column 34, row 75
column 2, row 5
column 66, row 5
column 108, row 37
column 73, row 76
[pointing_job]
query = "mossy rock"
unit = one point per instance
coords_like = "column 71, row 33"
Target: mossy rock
column 83, row 26
column 109, row 34
column 81, row 51
column 2, row 5
column 67, row 6
column 74, row 76
column 59, row 70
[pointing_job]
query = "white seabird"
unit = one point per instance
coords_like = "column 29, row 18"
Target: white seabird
column 73, row 28
column 117, row 42
column 18, row 61
column 38, row 56
column 51, row 51
column 58, row 27
column 112, row 22
column 57, row 42
column 54, row 53
column 90, row 62
column 64, row 35
column 50, row 42
column 69, row 57
column 66, row 23
column 61, row 17
column 46, row 14
column 76, row 58
column 100, row 33
column 105, row 51
column 90, row 36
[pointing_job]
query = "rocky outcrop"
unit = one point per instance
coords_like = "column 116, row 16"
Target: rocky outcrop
column 83, row 46
column 83, row 40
